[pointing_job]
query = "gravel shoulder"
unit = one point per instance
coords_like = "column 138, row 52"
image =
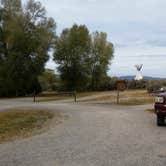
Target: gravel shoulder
column 92, row 135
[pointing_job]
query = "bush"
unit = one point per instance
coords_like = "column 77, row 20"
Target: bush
column 155, row 85
column 134, row 84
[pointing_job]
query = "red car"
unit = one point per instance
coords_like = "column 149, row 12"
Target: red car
column 160, row 108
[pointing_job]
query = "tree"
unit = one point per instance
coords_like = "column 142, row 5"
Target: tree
column 28, row 36
column 154, row 86
column 99, row 59
column 83, row 58
column 48, row 80
column 71, row 53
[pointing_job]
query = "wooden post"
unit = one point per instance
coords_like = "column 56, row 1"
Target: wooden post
column 75, row 96
column 34, row 96
column 118, row 94
column 121, row 85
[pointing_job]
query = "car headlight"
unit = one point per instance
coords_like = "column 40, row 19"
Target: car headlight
column 159, row 99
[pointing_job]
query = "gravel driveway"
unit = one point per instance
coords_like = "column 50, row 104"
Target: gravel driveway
column 93, row 135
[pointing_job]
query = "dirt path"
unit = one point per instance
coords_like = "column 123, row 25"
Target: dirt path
column 93, row 135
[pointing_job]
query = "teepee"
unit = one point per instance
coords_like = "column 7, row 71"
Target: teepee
column 139, row 74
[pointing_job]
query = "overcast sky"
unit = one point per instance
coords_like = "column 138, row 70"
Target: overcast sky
column 137, row 28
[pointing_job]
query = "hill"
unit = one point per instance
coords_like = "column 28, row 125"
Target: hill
column 145, row 77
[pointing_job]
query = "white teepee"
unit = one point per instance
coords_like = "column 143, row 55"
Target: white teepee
column 139, row 74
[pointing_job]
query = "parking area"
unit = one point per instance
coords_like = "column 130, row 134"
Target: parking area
column 92, row 135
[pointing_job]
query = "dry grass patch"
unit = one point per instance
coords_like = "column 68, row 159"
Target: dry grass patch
column 131, row 96
column 103, row 96
column 85, row 94
column 134, row 93
column 132, row 102
column 100, row 98
column 52, row 98
column 151, row 110
column 22, row 123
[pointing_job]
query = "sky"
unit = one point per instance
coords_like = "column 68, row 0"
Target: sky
column 137, row 28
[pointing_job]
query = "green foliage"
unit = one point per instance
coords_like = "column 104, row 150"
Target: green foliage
column 83, row 58
column 155, row 85
column 134, row 84
column 152, row 86
column 27, row 36
column 48, row 80
column 71, row 53
column 99, row 58
column 107, row 83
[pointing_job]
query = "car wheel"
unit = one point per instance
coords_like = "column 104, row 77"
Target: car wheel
column 160, row 120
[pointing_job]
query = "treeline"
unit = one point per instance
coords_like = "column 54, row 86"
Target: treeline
column 83, row 58
column 52, row 82
column 152, row 86
column 26, row 37
column 49, row 81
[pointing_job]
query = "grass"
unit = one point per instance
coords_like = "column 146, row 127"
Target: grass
column 100, row 98
column 51, row 96
column 136, row 97
column 132, row 102
column 151, row 110
column 17, row 123
column 130, row 97
column 127, row 97
column 84, row 94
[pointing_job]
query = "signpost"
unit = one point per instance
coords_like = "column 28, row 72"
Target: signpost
column 75, row 96
column 34, row 96
column 121, row 86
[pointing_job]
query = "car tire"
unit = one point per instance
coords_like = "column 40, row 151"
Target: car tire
column 160, row 120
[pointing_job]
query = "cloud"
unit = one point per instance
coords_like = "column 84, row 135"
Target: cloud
column 126, row 22
column 108, row 10
column 136, row 27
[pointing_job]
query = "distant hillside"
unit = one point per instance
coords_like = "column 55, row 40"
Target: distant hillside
column 145, row 77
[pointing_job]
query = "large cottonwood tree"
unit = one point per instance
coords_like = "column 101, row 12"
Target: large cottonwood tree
column 100, row 58
column 71, row 53
column 28, row 35
column 83, row 58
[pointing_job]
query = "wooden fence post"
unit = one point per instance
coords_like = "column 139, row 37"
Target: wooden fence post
column 34, row 96
column 75, row 96
column 118, row 94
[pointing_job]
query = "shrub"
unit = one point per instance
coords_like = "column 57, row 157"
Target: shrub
column 155, row 85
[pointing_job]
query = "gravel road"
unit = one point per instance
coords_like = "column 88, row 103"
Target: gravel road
column 92, row 135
